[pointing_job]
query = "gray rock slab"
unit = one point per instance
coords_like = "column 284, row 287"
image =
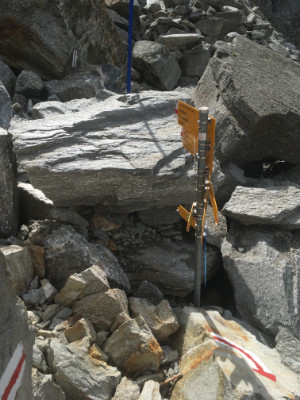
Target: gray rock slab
column 215, row 368
column 180, row 41
column 288, row 346
column 15, row 334
column 112, row 151
column 7, row 77
column 90, row 281
column 78, row 85
column 67, row 252
column 156, row 64
column 44, row 387
column 263, row 268
column 150, row 391
column 127, row 390
column 19, row 266
column 5, row 108
column 8, row 184
column 277, row 205
column 253, row 121
column 78, row 376
column 42, row 40
column 133, row 348
column 102, row 309
column 194, row 61
column 170, row 267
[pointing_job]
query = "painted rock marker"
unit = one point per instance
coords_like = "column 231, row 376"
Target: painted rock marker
column 253, row 361
column 12, row 377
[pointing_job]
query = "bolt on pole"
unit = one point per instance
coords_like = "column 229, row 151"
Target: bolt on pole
column 201, row 174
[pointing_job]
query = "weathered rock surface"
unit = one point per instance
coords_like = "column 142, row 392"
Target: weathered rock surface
column 150, row 292
column 251, row 116
column 5, row 108
column 82, row 328
column 161, row 319
column 157, row 65
column 14, row 332
column 121, row 158
column 169, row 267
column 79, row 376
column 8, row 192
column 263, row 268
column 127, row 390
column 78, row 85
column 67, row 252
column 133, row 348
column 150, row 391
column 42, row 39
column 102, row 308
column 216, row 368
column 29, row 84
column 90, row 281
column 194, row 61
column 275, row 205
column 45, row 388
column 7, row 77
column 19, row 266
column 288, row 346
column 180, row 41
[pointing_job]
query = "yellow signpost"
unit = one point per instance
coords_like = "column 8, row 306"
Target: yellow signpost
column 198, row 138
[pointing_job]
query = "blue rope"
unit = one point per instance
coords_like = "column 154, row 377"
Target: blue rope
column 130, row 28
column 205, row 256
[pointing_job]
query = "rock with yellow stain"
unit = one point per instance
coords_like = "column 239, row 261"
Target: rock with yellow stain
column 222, row 371
column 133, row 349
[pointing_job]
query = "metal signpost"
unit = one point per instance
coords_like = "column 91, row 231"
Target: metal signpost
column 198, row 138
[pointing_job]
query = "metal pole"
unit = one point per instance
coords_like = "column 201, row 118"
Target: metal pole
column 203, row 120
column 129, row 53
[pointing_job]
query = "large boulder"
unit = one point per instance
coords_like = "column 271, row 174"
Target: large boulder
column 80, row 377
column 170, row 267
column 270, row 205
column 257, row 110
column 7, row 77
column 8, row 184
column 158, row 66
column 5, row 108
column 263, row 268
column 67, row 252
column 42, row 37
column 133, row 348
column 132, row 153
column 226, row 361
column 16, row 341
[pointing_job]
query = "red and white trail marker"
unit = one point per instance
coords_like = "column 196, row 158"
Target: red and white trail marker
column 12, row 376
column 251, row 358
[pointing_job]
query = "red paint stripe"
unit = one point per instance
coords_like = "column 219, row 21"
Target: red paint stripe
column 176, row 111
column 259, row 369
column 14, row 377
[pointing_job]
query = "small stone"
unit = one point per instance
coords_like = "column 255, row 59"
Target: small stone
column 50, row 311
column 169, row 355
column 55, row 322
column 78, row 331
column 127, row 390
column 48, row 289
column 64, row 313
column 150, row 391
column 97, row 354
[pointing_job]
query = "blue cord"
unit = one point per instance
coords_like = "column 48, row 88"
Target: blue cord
column 205, row 256
column 130, row 28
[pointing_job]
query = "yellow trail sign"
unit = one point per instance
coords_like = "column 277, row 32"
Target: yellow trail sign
column 188, row 118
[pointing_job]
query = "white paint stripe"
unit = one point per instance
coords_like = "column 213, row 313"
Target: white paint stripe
column 236, row 347
column 10, row 369
column 15, row 388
